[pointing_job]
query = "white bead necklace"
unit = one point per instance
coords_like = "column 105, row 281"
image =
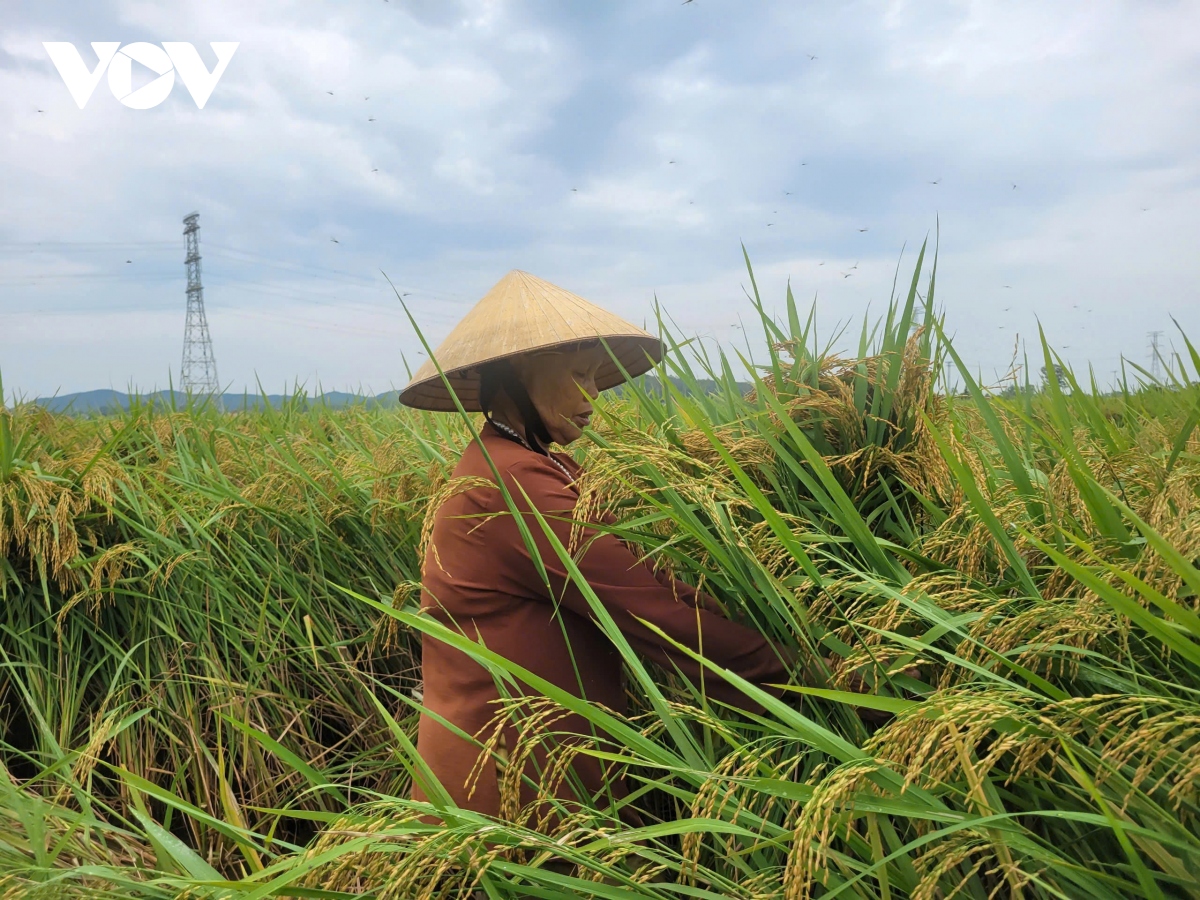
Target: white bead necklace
column 500, row 426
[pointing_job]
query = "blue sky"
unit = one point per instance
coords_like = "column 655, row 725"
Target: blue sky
column 622, row 150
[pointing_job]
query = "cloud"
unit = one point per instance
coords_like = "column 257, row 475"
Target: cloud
column 625, row 151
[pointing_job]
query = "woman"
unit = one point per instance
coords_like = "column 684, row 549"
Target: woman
column 528, row 357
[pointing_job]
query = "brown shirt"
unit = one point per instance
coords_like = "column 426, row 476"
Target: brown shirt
column 479, row 579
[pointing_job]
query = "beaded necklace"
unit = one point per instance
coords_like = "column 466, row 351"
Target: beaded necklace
column 504, row 429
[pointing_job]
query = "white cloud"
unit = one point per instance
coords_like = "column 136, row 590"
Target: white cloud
column 488, row 113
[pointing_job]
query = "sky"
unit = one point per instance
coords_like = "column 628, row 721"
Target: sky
column 360, row 156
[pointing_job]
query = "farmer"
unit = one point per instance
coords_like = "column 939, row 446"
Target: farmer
column 528, row 356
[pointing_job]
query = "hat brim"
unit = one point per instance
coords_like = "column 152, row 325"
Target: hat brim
column 636, row 354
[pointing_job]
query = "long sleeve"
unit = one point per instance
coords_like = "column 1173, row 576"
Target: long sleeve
column 630, row 590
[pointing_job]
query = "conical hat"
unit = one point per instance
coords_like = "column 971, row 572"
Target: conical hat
column 520, row 314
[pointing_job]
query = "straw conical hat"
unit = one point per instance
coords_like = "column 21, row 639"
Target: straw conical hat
column 523, row 313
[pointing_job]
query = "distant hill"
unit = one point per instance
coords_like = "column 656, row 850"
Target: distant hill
column 104, row 402
column 107, row 401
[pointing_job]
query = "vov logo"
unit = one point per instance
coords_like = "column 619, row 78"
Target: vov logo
column 165, row 61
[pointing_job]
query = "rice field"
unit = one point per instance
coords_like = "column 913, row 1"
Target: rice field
column 209, row 640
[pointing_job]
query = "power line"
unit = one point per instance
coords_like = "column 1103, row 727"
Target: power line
column 316, row 325
column 49, row 279
column 299, row 268
column 247, row 256
column 308, row 270
column 24, row 281
column 85, row 245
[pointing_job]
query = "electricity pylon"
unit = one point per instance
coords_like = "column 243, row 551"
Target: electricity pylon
column 1155, row 357
column 198, row 374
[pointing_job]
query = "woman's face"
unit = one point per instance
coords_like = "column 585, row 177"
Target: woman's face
column 562, row 386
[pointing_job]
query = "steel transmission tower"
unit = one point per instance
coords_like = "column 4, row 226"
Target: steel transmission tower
column 1155, row 356
column 198, row 374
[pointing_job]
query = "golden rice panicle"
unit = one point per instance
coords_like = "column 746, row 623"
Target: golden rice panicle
column 41, row 511
column 961, row 856
column 723, row 797
column 1157, row 737
column 399, row 860
column 828, row 812
column 527, row 723
column 937, row 742
column 115, row 563
column 389, row 634
column 1052, row 634
column 449, row 489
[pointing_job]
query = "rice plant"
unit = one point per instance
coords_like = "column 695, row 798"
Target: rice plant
column 208, row 683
